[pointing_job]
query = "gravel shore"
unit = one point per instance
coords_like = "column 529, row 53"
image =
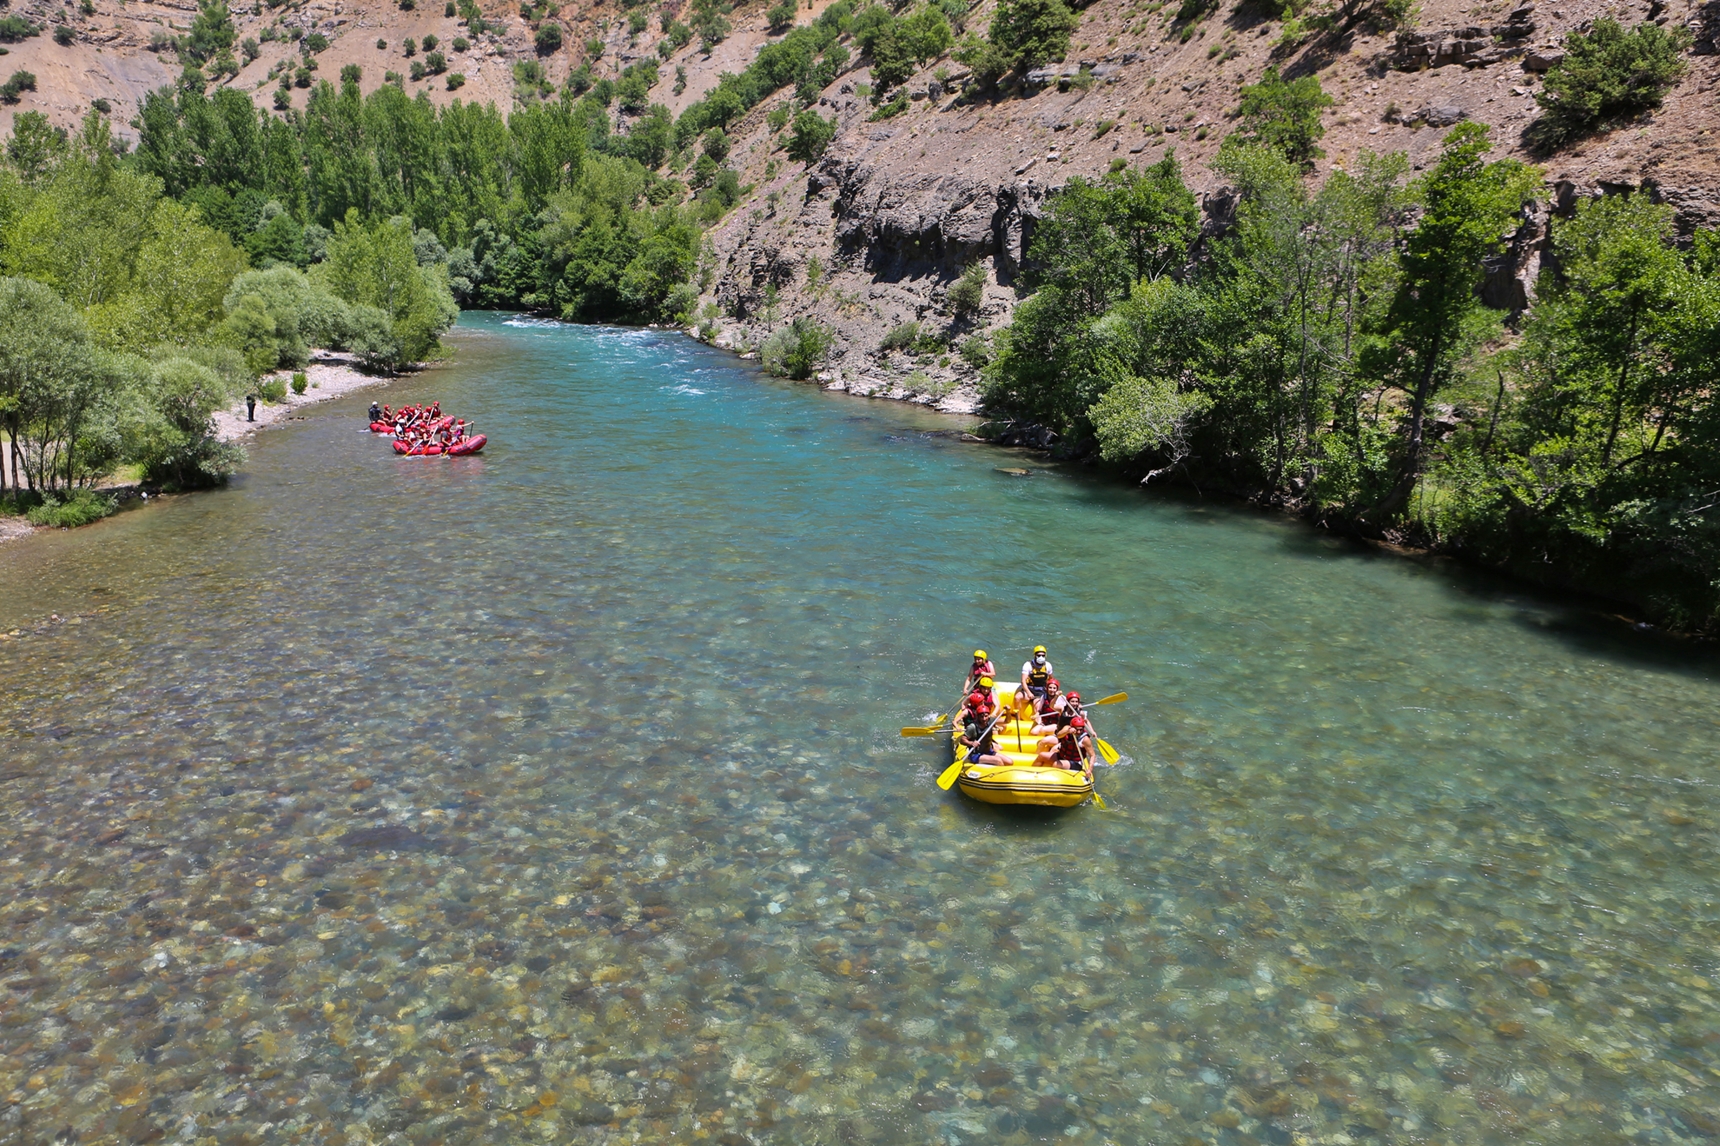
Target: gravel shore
column 331, row 375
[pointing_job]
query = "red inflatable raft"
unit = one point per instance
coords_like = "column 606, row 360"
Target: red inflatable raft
column 467, row 446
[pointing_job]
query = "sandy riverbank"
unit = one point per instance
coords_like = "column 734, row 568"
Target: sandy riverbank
column 331, row 375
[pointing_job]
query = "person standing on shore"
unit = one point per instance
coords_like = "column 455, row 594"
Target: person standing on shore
column 250, row 407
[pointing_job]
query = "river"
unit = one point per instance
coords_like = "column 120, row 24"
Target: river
column 556, row 795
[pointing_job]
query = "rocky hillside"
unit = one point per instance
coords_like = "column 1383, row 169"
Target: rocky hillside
column 873, row 234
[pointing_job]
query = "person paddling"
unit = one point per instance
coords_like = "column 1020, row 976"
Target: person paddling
column 1052, row 700
column 981, row 666
column 976, row 739
column 375, row 412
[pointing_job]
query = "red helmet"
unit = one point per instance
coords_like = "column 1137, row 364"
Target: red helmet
column 980, row 697
column 1075, row 697
column 1051, row 682
column 1078, row 722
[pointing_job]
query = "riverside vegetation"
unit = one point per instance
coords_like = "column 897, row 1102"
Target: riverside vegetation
column 1329, row 352
column 231, row 239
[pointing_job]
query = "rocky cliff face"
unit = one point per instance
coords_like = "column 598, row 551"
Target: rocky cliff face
column 873, row 235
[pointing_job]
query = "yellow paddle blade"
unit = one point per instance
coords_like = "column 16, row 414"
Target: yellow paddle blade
column 933, row 731
column 1098, row 800
column 950, row 774
column 1107, row 753
column 1114, row 698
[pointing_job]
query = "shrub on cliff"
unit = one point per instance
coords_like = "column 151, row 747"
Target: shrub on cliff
column 812, row 134
column 1030, row 32
column 15, row 28
column 1608, row 75
column 968, row 292
column 1284, row 116
column 798, row 349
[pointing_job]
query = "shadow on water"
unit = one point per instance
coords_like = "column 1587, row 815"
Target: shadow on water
column 1589, row 623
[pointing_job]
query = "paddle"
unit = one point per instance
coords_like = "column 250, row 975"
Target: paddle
column 937, row 725
column 949, row 774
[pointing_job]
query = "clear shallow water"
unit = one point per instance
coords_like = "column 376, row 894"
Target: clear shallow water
column 556, row 795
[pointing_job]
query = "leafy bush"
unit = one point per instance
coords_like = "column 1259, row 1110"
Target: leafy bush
column 456, row 81
column 180, row 450
column 812, row 134
column 315, row 42
column 417, row 70
column 777, row 117
column 976, row 351
column 300, row 382
column 19, row 83
column 636, row 22
column 969, row 291
column 351, row 74
column 409, row 47
column 1607, row 75
column 897, row 104
column 901, row 337
column 461, row 43
column 429, row 42
column 798, row 349
column 1284, row 116
column 1030, row 32
column 63, row 36
column 781, row 16
column 548, row 38
column 15, row 28
column 68, row 511
column 435, row 63
column 271, row 390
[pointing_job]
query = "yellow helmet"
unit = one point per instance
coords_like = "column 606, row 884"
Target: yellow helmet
column 1037, row 649
column 986, row 682
column 979, row 654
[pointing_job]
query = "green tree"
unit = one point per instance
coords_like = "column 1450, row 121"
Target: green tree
column 812, row 134
column 1601, row 346
column 1098, row 238
column 44, row 350
column 35, row 146
column 1607, row 75
column 1290, row 294
column 212, row 33
column 179, row 274
column 178, row 447
column 1284, row 115
column 1436, row 316
column 376, row 266
column 796, row 350
column 967, row 293
column 1027, row 33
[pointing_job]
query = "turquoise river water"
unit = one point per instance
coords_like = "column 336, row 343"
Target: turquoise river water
column 556, row 795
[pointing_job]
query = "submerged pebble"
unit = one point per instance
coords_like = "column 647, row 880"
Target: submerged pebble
column 439, row 847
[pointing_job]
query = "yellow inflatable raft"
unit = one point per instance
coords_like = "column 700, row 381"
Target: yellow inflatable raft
column 1020, row 781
